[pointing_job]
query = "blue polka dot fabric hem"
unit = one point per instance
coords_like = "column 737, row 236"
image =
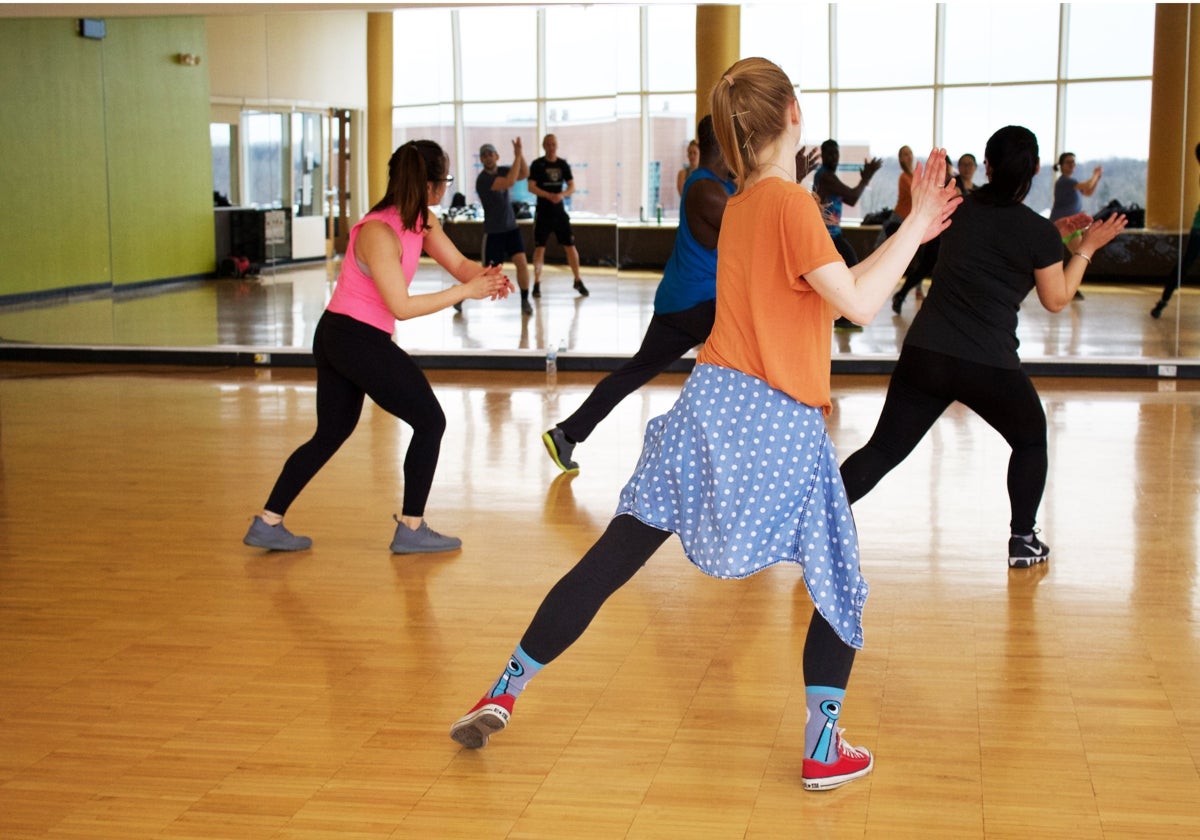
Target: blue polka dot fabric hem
column 747, row 477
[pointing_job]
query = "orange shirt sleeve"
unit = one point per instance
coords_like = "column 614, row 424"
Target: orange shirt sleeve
column 770, row 322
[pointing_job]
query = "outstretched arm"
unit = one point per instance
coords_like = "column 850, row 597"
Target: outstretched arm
column 1089, row 186
column 860, row 291
column 380, row 251
column 1056, row 285
column 832, row 185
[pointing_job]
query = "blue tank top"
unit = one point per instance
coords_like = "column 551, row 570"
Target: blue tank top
column 691, row 273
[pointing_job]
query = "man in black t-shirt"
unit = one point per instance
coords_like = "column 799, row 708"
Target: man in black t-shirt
column 502, row 237
column 550, row 179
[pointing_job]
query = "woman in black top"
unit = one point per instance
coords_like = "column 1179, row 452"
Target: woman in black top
column 962, row 345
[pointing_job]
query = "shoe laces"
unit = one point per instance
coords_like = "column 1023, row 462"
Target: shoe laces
column 848, row 750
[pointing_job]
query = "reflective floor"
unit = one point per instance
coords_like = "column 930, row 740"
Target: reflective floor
column 279, row 310
column 163, row 680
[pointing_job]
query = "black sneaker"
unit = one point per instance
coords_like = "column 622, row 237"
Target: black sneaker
column 537, row 290
column 1023, row 553
column 560, row 450
column 897, row 302
column 1157, row 311
column 582, row 289
column 845, row 323
column 526, row 307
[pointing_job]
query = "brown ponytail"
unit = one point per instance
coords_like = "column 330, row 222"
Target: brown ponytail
column 749, row 108
column 411, row 168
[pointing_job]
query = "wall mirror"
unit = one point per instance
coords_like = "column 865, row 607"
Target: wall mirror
column 169, row 115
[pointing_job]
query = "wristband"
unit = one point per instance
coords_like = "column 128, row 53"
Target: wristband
column 1085, row 257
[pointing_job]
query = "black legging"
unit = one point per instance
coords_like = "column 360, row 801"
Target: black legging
column 621, row 551
column 921, row 267
column 924, row 385
column 1175, row 278
column 667, row 338
column 355, row 359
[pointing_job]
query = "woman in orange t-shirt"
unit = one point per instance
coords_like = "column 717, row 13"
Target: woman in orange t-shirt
column 741, row 467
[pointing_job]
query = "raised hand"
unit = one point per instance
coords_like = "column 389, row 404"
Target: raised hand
column 870, row 167
column 934, row 199
column 806, row 161
column 517, row 147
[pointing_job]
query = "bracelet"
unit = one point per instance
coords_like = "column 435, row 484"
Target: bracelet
column 1085, row 256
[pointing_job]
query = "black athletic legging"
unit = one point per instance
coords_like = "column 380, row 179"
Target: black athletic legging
column 667, row 338
column 622, row 549
column 355, row 359
column 1190, row 255
column 923, row 386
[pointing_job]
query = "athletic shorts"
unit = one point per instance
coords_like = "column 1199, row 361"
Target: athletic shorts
column 556, row 222
column 500, row 248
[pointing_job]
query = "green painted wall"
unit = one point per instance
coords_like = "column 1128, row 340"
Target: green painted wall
column 54, row 204
column 159, row 151
column 106, row 154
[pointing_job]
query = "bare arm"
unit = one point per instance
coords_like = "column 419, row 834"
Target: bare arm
column 379, row 250
column 1089, row 186
column 1056, row 285
column 554, row 198
column 832, row 185
column 705, row 207
column 519, row 170
column 860, row 291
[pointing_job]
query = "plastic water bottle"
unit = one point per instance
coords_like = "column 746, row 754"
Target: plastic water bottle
column 552, row 361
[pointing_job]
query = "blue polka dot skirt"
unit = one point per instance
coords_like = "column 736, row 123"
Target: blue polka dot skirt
column 748, row 477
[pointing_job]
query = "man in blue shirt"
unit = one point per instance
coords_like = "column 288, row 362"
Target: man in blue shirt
column 502, row 236
column 684, row 305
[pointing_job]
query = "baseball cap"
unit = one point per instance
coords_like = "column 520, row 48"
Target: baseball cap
column 485, row 148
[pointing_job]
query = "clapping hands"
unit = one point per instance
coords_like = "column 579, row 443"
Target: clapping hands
column 934, row 199
column 489, row 283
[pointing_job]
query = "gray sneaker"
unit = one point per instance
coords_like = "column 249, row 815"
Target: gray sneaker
column 424, row 540
column 274, row 537
column 560, row 449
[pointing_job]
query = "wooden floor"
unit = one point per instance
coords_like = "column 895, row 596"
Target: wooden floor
column 160, row 679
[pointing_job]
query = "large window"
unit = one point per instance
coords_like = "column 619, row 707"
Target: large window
column 616, row 84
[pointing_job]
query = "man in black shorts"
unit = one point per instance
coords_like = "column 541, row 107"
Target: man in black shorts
column 502, row 237
column 551, row 181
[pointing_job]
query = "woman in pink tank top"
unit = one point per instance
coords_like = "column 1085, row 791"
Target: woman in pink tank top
column 356, row 357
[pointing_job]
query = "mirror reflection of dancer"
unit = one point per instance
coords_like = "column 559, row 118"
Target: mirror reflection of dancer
column 1175, row 277
column 833, row 193
column 766, row 365
column 684, row 304
column 551, row 180
column 356, row 357
column 962, row 344
column 693, row 161
column 502, row 236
